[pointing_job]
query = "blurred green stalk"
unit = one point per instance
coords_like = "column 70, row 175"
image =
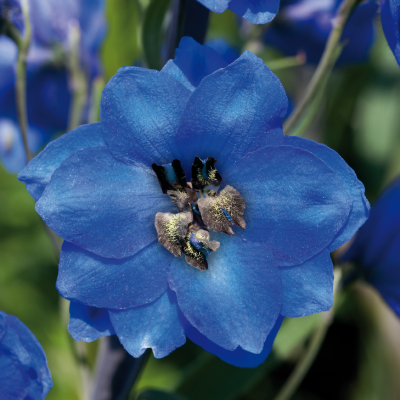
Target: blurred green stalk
column 325, row 66
column 305, row 362
column 23, row 43
column 287, row 62
column 78, row 82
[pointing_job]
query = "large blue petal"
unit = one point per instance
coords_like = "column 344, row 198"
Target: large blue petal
column 88, row 323
column 141, row 109
column 238, row 357
column 233, row 111
column 103, row 205
column 237, row 301
column 193, row 62
column 36, row 175
column 390, row 14
column 308, row 288
column 255, row 11
column 360, row 210
column 112, row 283
column 375, row 237
column 295, row 203
column 23, row 366
column 155, row 326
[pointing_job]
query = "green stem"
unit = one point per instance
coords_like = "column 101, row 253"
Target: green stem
column 95, row 98
column 20, row 85
column 78, row 82
column 79, row 352
column 325, row 65
column 287, row 62
column 305, row 362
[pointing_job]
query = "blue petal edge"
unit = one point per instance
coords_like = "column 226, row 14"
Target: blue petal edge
column 88, row 323
column 37, row 174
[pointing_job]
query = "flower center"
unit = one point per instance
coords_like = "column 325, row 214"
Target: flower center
column 200, row 209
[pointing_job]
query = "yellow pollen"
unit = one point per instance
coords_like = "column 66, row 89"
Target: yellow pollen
column 223, row 201
column 171, row 227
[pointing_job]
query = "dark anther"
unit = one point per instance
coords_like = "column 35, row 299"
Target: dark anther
column 179, row 173
column 204, row 175
column 170, row 176
column 162, row 178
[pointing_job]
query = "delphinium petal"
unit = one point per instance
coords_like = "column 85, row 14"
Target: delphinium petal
column 192, row 63
column 232, row 111
column 155, row 325
column 227, row 52
column 37, row 174
column 307, row 288
column 110, row 282
column 24, row 373
column 92, row 188
column 290, row 190
column 88, row 323
column 238, row 357
column 255, row 11
column 360, row 208
column 242, row 281
column 141, row 110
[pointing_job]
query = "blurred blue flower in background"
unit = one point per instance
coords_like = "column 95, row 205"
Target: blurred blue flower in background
column 24, row 373
column 376, row 247
column 390, row 15
column 48, row 89
column 255, row 11
column 10, row 10
column 95, row 187
column 306, row 24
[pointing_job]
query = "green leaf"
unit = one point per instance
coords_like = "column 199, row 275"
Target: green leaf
column 121, row 46
column 158, row 395
column 153, row 32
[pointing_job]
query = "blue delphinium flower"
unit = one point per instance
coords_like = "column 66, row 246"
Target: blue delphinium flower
column 119, row 192
column 255, row 11
column 304, row 25
column 48, row 95
column 24, row 374
column 390, row 15
column 376, row 248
